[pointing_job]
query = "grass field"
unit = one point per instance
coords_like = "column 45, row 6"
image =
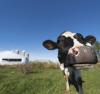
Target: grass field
column 40, row 79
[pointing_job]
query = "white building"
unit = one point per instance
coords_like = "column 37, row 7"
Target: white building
column 13, row 57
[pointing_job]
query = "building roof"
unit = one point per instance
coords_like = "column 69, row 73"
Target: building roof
column 10, row 54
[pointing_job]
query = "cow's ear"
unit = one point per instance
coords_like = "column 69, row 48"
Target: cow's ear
column 50, row 45
column 90, row 39
column 79, row 37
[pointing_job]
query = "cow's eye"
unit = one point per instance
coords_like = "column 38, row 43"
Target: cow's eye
column 61, row 38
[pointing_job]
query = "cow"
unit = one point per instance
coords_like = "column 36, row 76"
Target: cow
column 68, row 44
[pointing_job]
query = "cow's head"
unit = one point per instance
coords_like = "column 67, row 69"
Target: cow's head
column 66, row 41
column 61, row 44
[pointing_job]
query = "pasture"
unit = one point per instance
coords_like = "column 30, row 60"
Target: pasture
column 43, row 79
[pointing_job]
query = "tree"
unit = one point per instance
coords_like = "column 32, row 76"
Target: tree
column 97, row 46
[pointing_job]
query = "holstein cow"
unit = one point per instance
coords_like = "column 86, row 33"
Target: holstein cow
column 68, row 45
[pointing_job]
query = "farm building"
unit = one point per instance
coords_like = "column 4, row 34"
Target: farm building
column 13, row 57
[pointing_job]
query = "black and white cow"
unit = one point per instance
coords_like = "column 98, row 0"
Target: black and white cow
column 68, row 43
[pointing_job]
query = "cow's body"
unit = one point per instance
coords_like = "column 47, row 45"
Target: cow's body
column 72, row 75
column 68, row 44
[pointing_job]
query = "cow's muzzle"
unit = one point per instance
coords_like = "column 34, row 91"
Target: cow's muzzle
column 84, row 55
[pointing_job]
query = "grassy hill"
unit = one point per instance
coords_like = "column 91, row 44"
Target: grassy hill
column 43, row 79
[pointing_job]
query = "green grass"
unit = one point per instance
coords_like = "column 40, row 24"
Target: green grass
column 37, row 79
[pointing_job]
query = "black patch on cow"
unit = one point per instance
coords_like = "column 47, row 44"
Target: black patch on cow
column 74, row 79
column 62, row 56
column 79, row 38
column 90, row 39
column 64, row 45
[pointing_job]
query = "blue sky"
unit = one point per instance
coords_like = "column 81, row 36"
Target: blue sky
column 25, row 24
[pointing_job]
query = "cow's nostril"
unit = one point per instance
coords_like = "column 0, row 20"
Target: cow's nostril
column 75, row 52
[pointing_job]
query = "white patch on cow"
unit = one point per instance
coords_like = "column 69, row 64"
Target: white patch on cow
column 67, row 76
column 62, row 67
column 88, row 44
column 70, row 51
column 66, row 72
column 76, row 45
column 71, row 35
column 67, row 85
column 68, row 34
